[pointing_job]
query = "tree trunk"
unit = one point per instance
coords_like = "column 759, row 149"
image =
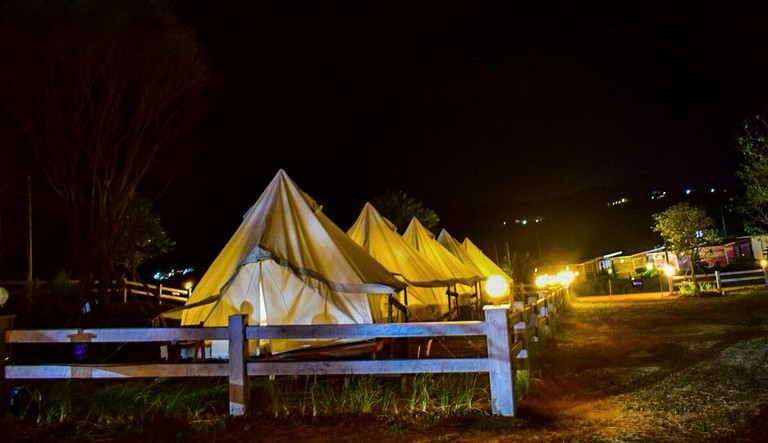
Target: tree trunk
column 693, row 275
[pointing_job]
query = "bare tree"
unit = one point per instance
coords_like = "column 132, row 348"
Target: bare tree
column 103, row 91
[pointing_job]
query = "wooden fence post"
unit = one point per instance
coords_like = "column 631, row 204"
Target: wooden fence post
column 717, row 280
column 500, row 368
column 239, row 386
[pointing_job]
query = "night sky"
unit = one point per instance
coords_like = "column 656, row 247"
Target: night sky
column 477, row 109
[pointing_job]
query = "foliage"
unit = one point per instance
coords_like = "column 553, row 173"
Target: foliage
column 521, row 267
column 753, row 174
column 142, row 239
column 685, row 229
column 111, row 90
column 690, row 288
column 289, row 396
column 400, row 208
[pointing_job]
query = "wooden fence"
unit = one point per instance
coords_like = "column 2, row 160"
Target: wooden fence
column 123, row 288
column 510, row 331
column 722, row 279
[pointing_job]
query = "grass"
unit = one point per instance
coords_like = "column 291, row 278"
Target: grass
column 117, row 407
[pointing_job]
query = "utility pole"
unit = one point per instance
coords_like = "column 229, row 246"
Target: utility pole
column 722, row 218
column 29, row 227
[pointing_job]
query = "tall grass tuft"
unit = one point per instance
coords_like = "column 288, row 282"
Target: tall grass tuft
column 362, row 393
column 278, row 396
column 322, row 396
column 522, row 383
column 418, row 394
column 466, row 391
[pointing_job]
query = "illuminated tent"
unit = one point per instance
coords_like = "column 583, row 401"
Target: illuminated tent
column 288, row 263
column 426, row 297
column 467, row 278
column 455, row 248
column 487, row 266
column 472, row 256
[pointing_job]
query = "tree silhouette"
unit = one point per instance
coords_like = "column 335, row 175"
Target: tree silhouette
column 753, row 174
column 103, row 92
column 400, row 208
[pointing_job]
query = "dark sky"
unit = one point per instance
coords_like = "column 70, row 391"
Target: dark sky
column 466, row 106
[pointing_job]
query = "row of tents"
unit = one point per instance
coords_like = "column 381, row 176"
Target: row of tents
column 288, row 263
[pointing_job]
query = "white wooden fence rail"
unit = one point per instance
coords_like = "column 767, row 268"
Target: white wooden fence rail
column 508, row 334
column 721, row 279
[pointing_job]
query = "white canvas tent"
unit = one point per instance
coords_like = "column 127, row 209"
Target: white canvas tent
column 424, row 241
column 427, row 284
column 455, row 248
column 470, row 254
column 288, row 263
column 487, row 266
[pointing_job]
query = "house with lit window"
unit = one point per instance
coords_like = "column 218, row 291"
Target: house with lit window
column 725, row 253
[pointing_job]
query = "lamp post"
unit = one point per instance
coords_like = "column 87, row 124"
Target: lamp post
column 669, row 271
column 496, row 287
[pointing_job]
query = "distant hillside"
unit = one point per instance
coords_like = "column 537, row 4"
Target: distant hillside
column 597, row 221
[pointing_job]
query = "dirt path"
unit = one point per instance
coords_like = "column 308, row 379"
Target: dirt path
column 622, row 368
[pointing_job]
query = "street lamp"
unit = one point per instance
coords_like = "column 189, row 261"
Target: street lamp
column 669, row 271
column 496, row 286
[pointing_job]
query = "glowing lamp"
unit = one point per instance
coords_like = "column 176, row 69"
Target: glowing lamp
column 649, row 266
column 188, row 285
column 763, row 263
column 669, row 270
column 496, row 286
column 565, row 278
column 541, row 280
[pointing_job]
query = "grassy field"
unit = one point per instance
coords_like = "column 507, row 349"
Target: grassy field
column 614, row 369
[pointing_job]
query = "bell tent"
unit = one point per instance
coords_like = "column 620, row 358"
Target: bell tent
column 487, row 266
column 425, row 296
column 286, row 264
column 455, row 248
column 466, row 278
column 476, row 259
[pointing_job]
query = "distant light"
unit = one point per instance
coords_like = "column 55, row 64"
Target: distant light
column 542, row 280
column 687, row 192
column 712, row 190
column 504, row 223
column 3, row 295
column 188, row 285
column 165, row 275
column 763, row 263
column 525, row 222
column 669, row 270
